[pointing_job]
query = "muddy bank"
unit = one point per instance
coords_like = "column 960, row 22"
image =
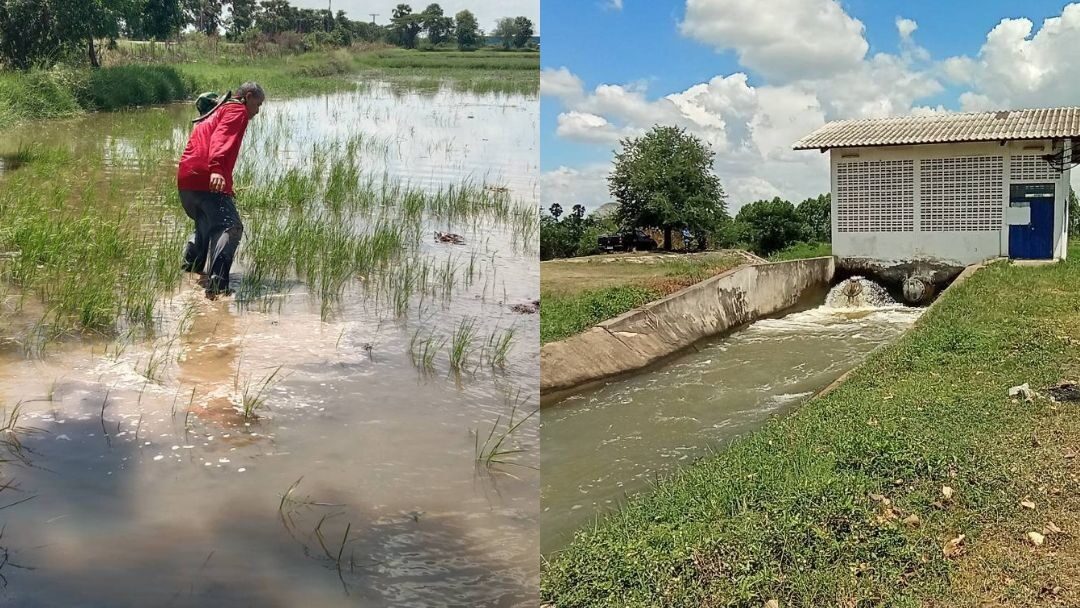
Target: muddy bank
column 664, row 327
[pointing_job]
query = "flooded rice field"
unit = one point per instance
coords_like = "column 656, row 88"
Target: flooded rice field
column 612, row 441
column 353, row 427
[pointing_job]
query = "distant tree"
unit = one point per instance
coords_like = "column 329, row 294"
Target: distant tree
column 405, row 26
column 80, row 22
column 523, row 31
column 242, row 18
column 664, row 180
column 204, row 15
column 505, row 29
column 556, row 210
column 275, row 17
column 438, row 27
column 816, row 217
column 467, row 32
column 769, row 225
column 153, row 19
column 578, row 211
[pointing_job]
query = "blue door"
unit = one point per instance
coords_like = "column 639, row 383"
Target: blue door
column 1033, row 241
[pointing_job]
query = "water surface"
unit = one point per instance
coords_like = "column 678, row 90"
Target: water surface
column 358, row 484
column 609, row 442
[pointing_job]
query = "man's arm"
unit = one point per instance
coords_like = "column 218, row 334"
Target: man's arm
column 225, row 142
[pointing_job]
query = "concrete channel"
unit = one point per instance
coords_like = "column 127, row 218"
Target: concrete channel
column 650, row 333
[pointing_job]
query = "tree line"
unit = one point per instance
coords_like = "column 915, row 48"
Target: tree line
column 44, row 32
column 663, row 182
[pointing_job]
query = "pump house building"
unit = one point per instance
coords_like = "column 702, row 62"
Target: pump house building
column 950, row 189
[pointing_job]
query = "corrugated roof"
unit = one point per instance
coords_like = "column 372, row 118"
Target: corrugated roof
column 1041, row 123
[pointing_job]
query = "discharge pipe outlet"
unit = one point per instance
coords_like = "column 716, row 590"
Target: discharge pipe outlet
column 918, row 289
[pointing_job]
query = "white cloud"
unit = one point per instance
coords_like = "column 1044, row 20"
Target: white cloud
column 571, row 186
column 1016, row 68
column 615, row 4
column 814, row 59
column 784, row 40
column 561, row 83
column 588, row 128
column 906, row 27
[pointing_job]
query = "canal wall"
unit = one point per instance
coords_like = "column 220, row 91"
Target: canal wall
column 659, row 329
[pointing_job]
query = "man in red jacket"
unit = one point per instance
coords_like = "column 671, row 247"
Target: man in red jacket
column 205, row 180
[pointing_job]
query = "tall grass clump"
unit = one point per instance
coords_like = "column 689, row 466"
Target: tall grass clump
column 117, row 87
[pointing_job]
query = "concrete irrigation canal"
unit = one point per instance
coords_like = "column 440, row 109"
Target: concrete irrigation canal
column 612, row 439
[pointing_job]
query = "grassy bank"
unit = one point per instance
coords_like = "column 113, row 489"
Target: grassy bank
column 63, row 92
column 580, row 292
column 816, row 508
column 800, row 251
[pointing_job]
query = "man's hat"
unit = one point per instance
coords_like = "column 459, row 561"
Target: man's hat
column 208, row 102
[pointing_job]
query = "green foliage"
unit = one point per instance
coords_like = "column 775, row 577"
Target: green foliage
column 768, row 226
column 563, row 316
column 404, row 26
column 800, row 251
column 438, row 27
column 467, row 31
column 575, row 234
column 205, row 15
column 664, row 180
column 788, row 513
column 39, row 32
column 28, row 34
column 816, row 217
column 243, row 17
column 134, row 85
column 523, row 31
column 1074, row 213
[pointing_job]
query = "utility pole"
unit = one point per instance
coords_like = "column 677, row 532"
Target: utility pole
column 373, row 15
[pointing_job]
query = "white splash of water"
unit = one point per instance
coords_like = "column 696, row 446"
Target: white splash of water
column 858, row 292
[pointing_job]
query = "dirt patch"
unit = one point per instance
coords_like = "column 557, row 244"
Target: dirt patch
column 575, row 275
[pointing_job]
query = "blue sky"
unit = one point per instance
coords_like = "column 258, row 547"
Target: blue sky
column 655, row 48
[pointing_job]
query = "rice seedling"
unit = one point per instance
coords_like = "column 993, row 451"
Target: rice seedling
column 423, row 351
column 461, row 343
column 499, row 345
column 496, row 449
column 253, row 395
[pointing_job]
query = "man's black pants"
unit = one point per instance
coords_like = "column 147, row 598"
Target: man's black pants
column 218, row 229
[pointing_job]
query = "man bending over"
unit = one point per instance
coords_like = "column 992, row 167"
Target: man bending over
column 205, row 181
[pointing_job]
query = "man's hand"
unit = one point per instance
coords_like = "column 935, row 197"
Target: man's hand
column 217, row 182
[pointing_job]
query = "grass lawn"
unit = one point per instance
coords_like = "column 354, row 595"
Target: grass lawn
column 580, row 292
column 843, row 502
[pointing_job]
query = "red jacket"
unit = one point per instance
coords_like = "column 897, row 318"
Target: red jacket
column 213, row 148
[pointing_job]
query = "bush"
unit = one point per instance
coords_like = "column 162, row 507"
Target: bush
column 134, row 85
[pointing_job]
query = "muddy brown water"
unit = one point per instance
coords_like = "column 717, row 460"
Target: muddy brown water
column 612, row 441
column 157, row 492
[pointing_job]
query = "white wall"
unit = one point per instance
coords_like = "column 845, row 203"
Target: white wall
column 953, row 247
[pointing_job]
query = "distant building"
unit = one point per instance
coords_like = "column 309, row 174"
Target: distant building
column 950, row 189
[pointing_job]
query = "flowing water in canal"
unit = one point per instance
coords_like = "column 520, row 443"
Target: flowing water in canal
column 605, row 443
column 358, row 481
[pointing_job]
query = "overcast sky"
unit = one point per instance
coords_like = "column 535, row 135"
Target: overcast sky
column 487, row 11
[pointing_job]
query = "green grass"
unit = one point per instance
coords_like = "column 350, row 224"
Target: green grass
column 64, row 91
column 800, row 251
column 787, row 512
column 582, row 292
column 562, row 316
